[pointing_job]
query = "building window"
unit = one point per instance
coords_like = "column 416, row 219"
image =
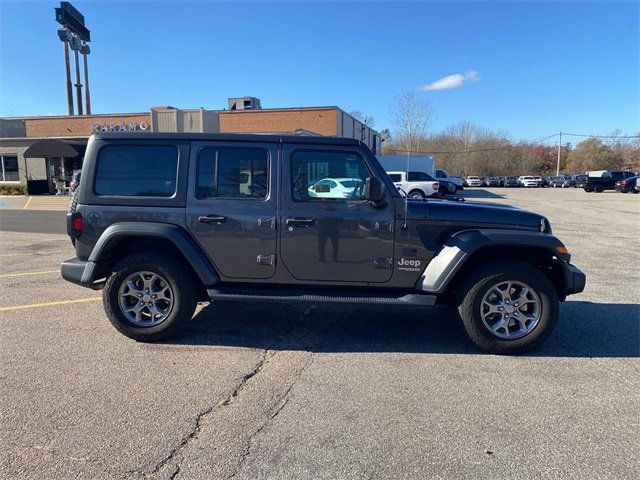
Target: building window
column 137, row 170
column 232, row 172
column 9, row 168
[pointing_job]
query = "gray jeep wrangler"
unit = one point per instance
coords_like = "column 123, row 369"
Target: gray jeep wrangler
column 164, row 221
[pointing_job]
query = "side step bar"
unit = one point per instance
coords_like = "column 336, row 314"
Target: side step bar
column 338, row 296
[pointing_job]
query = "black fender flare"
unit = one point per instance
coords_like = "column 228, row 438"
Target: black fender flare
column 178, row 236
column 461, row 246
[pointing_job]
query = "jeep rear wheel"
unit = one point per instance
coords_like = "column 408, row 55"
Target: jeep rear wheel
column 508, row 307
column 150, row 296
column 416, row 194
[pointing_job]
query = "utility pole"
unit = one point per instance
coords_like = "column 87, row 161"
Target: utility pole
column 63, row 34
column 75, row 46
column 559, row 149
column 85, row 50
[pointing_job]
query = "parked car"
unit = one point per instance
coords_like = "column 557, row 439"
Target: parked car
column 627, row 185
column 492, row 182
column 580, row 179
column 510, row 181
column 562, row 181
column 415, row 185
column 443, row 174
column 331, row 188
column 605, row 182
column 173, row 229
column 473, row 181
column 529, row 181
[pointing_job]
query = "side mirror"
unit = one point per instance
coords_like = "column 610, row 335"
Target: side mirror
column 374, row 190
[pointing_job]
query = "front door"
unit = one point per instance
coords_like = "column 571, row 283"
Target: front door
column 231, row 206
column 328, row 231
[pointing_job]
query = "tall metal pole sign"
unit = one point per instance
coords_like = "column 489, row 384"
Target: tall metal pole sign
column 76, row 35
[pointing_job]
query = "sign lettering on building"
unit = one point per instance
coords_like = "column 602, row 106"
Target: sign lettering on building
column 120, row 127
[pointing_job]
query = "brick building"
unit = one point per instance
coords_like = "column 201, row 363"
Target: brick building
column 37, row 150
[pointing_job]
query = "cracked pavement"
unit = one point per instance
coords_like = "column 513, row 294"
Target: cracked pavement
column 289, row 391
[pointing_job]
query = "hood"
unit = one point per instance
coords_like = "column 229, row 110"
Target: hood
column 474, row 214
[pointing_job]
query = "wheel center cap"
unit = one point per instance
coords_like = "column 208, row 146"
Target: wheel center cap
column 509, row 308
column 146, row 298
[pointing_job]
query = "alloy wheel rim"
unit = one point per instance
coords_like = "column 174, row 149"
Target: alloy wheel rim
column 146, row 298
column 510, row 310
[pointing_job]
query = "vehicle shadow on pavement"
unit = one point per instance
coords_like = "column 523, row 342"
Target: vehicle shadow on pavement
column 478, row 193
column 585, row 329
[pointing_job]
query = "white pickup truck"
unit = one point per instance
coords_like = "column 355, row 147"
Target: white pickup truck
column 415, row 184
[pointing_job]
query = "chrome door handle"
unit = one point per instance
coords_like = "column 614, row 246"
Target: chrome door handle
column 212, row 219
column 300, row 222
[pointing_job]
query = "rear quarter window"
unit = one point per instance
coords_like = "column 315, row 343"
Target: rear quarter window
column 137, row 170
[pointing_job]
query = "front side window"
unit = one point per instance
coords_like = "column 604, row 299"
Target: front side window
column 327, row 176
column 395, row 177
column 9, row 166
column 137, row 170
column 233, row 172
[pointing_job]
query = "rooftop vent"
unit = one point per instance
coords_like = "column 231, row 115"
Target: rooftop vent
column 244, row 103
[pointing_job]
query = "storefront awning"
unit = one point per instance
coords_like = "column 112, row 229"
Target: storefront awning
column 56, row 148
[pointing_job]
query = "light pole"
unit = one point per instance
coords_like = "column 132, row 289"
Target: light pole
column 85, row 50
column 75, row 46
column 64, row 35
column 559, row 149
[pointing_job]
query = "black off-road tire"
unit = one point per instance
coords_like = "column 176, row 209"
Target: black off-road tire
column 184, row 286
column 598, row 189
column 416, row 194
column 485, row 277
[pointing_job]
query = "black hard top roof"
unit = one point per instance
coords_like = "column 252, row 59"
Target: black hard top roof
column 225, row 137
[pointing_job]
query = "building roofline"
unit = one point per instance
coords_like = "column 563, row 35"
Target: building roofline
column 99, row 115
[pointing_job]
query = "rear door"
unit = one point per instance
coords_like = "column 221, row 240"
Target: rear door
column 340, row 238
column 231, row 206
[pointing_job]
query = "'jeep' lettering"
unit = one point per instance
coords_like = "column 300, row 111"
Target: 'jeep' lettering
column 409, row 265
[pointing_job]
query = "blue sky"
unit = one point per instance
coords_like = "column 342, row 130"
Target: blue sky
column 527, row 68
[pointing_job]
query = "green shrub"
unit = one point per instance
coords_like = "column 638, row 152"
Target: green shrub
column 13, row 189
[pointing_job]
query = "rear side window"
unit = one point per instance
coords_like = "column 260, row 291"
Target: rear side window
column 137, row 171
column 232, row 172
column 419, row 176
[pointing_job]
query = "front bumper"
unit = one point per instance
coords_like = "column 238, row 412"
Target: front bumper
column 574, row 279
column 81, row 273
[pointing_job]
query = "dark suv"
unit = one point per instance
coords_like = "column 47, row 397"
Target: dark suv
column 163, row 221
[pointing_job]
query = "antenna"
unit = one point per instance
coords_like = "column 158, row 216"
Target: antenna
column 406, row 197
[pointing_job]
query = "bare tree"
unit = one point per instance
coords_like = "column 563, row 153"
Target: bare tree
column 368, row 120
column 412, row 117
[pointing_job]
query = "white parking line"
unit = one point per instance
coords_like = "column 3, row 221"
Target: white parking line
column 49, row 304
column 22, row 274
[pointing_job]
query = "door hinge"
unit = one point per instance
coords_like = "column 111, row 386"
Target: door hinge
column 383, row 262
column 269, row 260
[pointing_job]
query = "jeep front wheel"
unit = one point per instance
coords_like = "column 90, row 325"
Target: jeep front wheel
column 150, row 297
column 508, row 307
column 416, row 194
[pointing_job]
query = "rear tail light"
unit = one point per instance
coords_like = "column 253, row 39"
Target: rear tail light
column 436, row 186
column 76, row 224
column 623, row 183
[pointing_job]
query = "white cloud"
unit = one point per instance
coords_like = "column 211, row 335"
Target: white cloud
column 452, row 81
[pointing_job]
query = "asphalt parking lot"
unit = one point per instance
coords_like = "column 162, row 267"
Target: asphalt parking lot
column 283, row 391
